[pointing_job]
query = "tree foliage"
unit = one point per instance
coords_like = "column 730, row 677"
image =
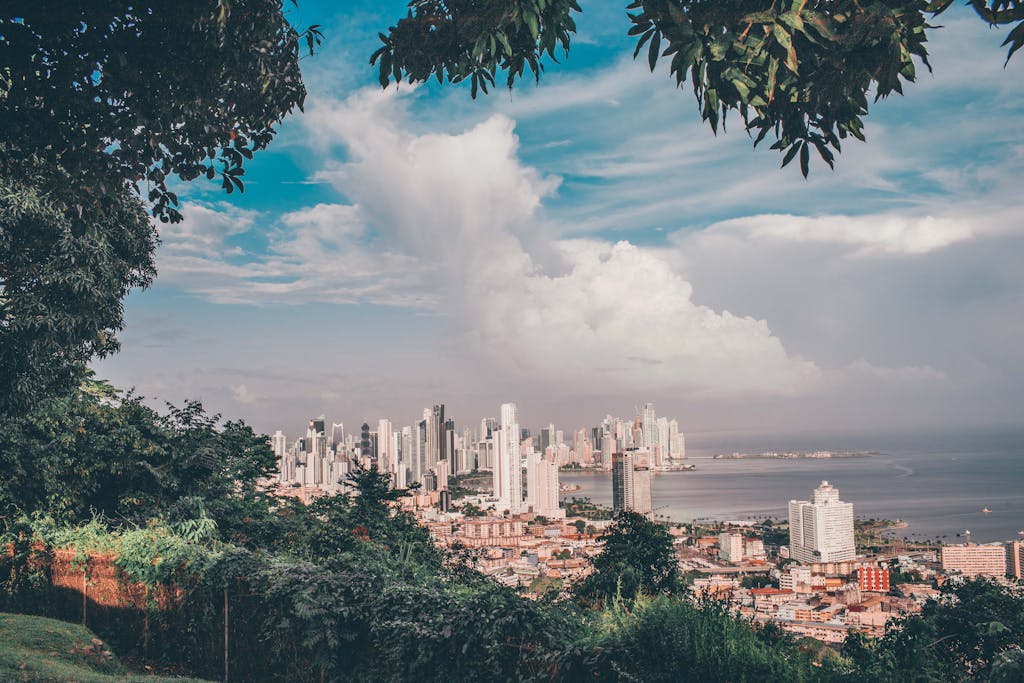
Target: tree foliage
column 112, row 93
column 63, row 276
column 105, row 104
column 86, row 455
column 637, row 559
column 799, row 71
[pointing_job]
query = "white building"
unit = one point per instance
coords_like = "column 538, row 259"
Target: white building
column 730, row 547
column 542, row 484
column 508, row 472
column 821, row 530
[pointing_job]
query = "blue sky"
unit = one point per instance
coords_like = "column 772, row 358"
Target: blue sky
column 586, row 244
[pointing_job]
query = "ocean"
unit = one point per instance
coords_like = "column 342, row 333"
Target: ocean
column 938, row 483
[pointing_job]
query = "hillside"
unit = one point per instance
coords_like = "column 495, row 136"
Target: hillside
column 39, row 650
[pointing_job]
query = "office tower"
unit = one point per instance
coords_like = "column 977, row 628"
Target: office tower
column 622, row 481
column 384, row 445
column 631, row 481
column 821, row 530
column 559, row 437
column 435, row 416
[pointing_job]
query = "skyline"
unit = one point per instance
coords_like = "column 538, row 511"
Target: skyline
column 552, row 250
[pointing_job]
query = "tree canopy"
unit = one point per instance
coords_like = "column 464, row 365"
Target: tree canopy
column 105, row 104
column 637, row 558
column 798, row 71
column 115, row 93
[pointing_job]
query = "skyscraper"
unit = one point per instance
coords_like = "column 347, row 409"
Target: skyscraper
column 821, row 530
column 384, row 445
column 279, row 443
column 508, row 473
column 631, row 482
column 622, row 482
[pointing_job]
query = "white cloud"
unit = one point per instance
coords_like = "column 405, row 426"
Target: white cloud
column 894, row 234
column 616, row 316
column 241, row 394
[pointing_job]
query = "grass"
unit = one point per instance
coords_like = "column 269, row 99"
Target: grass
column 39, row 650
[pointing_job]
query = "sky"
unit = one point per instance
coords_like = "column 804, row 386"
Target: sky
column 586, row 244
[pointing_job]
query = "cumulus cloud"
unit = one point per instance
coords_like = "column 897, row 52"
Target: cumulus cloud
column 614, row 314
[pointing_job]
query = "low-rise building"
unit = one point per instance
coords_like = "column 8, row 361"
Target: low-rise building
column 971, row 559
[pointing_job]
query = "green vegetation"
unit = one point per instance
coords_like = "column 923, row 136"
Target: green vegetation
column 471, row 484
column 798, row 72
column 39, row 650
column 583, row 507
column 133, row 97
column 637, row 559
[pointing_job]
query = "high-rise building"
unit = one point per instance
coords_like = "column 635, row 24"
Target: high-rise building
column 821, row 530
column 649, row 425
column 384, row 445
column 279, row 443
column 622, row 481
column 677, row 442
column 508, row 473
column 542, row 484
column 642, row 483
column 607, row 449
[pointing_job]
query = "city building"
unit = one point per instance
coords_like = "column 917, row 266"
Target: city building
column 873, row 579
column 821, row 529
column 730, row 547
column 971, row 559
column 1015, row 559
column 507, row 475
column 631, row 482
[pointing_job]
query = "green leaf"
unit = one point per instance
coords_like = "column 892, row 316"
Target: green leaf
column 653, row 49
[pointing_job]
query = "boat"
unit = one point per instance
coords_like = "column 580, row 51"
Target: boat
column 986, row 510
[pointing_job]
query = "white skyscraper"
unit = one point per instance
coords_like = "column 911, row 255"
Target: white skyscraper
column 279, row 443
column 676, row 441
column 821, row 530
column 384, row 445
column 649, row 424
column 508, row 473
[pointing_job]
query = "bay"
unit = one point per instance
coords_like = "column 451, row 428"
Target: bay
column 938, row 483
